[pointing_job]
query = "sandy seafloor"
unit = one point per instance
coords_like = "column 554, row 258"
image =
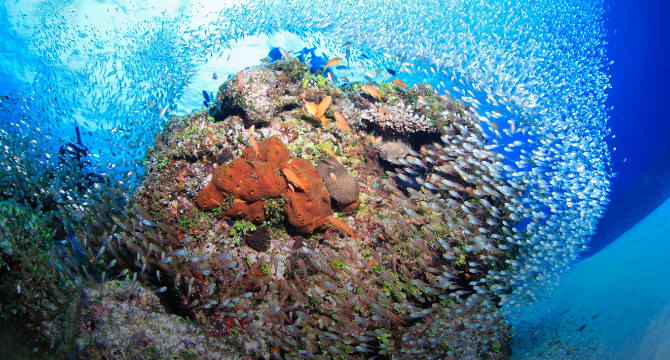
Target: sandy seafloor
column 613, row 305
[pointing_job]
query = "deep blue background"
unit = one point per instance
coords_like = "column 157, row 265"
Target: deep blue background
column 638, row 35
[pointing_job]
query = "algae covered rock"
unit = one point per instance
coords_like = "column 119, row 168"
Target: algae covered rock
column 252, row 94
column 125, row 320
column 385, row 280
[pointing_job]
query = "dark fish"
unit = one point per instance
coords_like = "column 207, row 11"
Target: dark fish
column 392, row 72
column 205, row 94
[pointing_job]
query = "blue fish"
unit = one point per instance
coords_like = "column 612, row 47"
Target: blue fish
column 207, row 101
column 73, row 240
column 347, row 55
column 316, row 62
column 275, row 54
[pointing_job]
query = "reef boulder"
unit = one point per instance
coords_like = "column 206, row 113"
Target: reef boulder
column 341, row 185
column 255, row 94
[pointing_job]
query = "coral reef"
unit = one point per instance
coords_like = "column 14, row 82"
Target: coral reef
column 447, row 230
column 404, row 237
column 426, row 250
column 408, row 268
column 396, row 118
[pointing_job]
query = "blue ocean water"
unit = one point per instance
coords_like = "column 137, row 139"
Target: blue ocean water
column 119, row 69
column 612, row 305
column 637, row 42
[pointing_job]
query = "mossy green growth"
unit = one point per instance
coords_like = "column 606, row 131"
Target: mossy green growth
column 328, row 144
column 187, row 355
column 321, row 81
column 165, row 162
column 387, row 288
column 389, row 90
column 153, row 352
column 446, row 302
column 309, row 79
column 266, row 268
column 400, row 283
column 305, row 81
column 227, row 203
column 292, row 68
column 377, row 268
column 186, row 223
column 384, row 338
column 240, row 228
column 461, row 259
column 273, row 209
column 299, row 145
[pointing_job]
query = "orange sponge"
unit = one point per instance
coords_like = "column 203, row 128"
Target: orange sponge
column 307, row 209
column 257, row 175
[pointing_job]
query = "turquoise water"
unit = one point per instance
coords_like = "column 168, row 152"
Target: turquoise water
column 613, row 305
column 535, row 75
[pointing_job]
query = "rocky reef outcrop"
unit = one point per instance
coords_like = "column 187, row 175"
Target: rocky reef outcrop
column 235, row 227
